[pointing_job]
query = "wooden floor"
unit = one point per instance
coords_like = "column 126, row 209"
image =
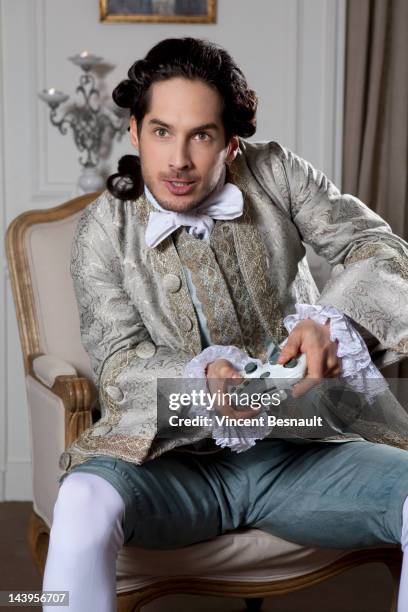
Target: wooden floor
column 365, row 589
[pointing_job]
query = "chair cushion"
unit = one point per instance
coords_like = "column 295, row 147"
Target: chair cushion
column 250, row 554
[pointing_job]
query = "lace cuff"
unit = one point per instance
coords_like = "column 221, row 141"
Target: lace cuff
column 196, row 367
column 223, row 436
column 356, row 365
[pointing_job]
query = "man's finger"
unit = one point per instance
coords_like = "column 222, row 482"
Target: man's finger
column 304, row 386
column 227, row 371
column 315, row 364
column 334, row 372
column 228, row 410
column 214, row 385
column 290, row 350
column 332, row 362
column 315, row 372
column 220, row 369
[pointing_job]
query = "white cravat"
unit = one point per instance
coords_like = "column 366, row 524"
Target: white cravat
column 224, row 202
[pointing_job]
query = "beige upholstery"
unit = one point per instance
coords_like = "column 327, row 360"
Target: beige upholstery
column 248, row 554
column 47, row 429
column 38, row 249
column 48, row 367
column 48, row 249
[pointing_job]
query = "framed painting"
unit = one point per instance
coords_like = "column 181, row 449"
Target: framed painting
column 157, row 11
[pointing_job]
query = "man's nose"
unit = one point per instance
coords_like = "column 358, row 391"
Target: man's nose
column 180, row 158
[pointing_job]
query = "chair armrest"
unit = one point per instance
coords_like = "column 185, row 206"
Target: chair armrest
column 77, row 393
column 57, row 416
column 47, row 367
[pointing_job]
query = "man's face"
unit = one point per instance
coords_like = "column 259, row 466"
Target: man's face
column 182, row 144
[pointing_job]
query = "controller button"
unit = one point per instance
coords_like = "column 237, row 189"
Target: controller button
column 273, row 359
column 265, row 374
column 292, row 363
column 250, row 367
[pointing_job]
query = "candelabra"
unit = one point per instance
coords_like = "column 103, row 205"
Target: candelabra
column 89, row 122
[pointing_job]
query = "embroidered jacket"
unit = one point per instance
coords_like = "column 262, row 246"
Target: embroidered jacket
column 137, row 318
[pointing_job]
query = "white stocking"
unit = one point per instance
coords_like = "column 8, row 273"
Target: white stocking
column 403, row 589
column 85, row 538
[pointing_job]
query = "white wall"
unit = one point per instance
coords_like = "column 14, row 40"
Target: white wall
column 292, row 56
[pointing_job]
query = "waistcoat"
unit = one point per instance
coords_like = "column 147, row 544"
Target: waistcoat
column 229, row 312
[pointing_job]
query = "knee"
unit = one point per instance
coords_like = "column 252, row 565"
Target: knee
column 87, row 514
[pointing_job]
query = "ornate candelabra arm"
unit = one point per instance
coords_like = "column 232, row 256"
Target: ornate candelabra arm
column 87, row 88
column 89, row 121
column 115, row 127
column 69, row 119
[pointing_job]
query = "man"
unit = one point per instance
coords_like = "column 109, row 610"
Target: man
column 194, row 263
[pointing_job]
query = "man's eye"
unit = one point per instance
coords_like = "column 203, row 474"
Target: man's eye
column 202, row 136
column 160, row 132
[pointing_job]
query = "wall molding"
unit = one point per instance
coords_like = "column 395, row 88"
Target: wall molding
column 321, row 72
column 42, row 186
column 332, row 121
column 341, row 33
column 292, row 85
column 18, row 481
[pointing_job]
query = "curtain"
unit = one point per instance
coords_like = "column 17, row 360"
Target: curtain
column 375, row 139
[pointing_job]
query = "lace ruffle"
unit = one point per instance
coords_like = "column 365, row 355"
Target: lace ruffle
column 356, row 365
column 196, row 367
column 223, row 436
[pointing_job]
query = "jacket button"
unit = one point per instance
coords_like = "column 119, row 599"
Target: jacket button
column 114, row 393
column 172, row 283
column 145, row 349
column 64, row 461
column 101, row 430
column 186, row 323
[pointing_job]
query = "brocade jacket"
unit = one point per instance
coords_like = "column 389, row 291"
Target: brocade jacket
column 137, row 318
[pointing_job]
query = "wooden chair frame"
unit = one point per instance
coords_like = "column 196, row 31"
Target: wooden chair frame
column 78, row 395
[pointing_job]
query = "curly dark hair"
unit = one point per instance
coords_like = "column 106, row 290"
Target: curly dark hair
column 191, row 58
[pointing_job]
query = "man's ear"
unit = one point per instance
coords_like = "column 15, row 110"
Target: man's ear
column 233, row 147
column 134, row 139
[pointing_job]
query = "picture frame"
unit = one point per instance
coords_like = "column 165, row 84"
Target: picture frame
column 158, row 11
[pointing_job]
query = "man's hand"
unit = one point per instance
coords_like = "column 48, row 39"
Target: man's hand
column 218, row 373
column 313, row 339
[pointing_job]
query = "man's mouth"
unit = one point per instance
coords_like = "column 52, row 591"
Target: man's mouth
column 179, row 187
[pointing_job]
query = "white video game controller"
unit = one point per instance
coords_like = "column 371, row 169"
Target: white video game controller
column 275, row 376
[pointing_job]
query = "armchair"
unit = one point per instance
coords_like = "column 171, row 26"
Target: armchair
column 63, row 401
